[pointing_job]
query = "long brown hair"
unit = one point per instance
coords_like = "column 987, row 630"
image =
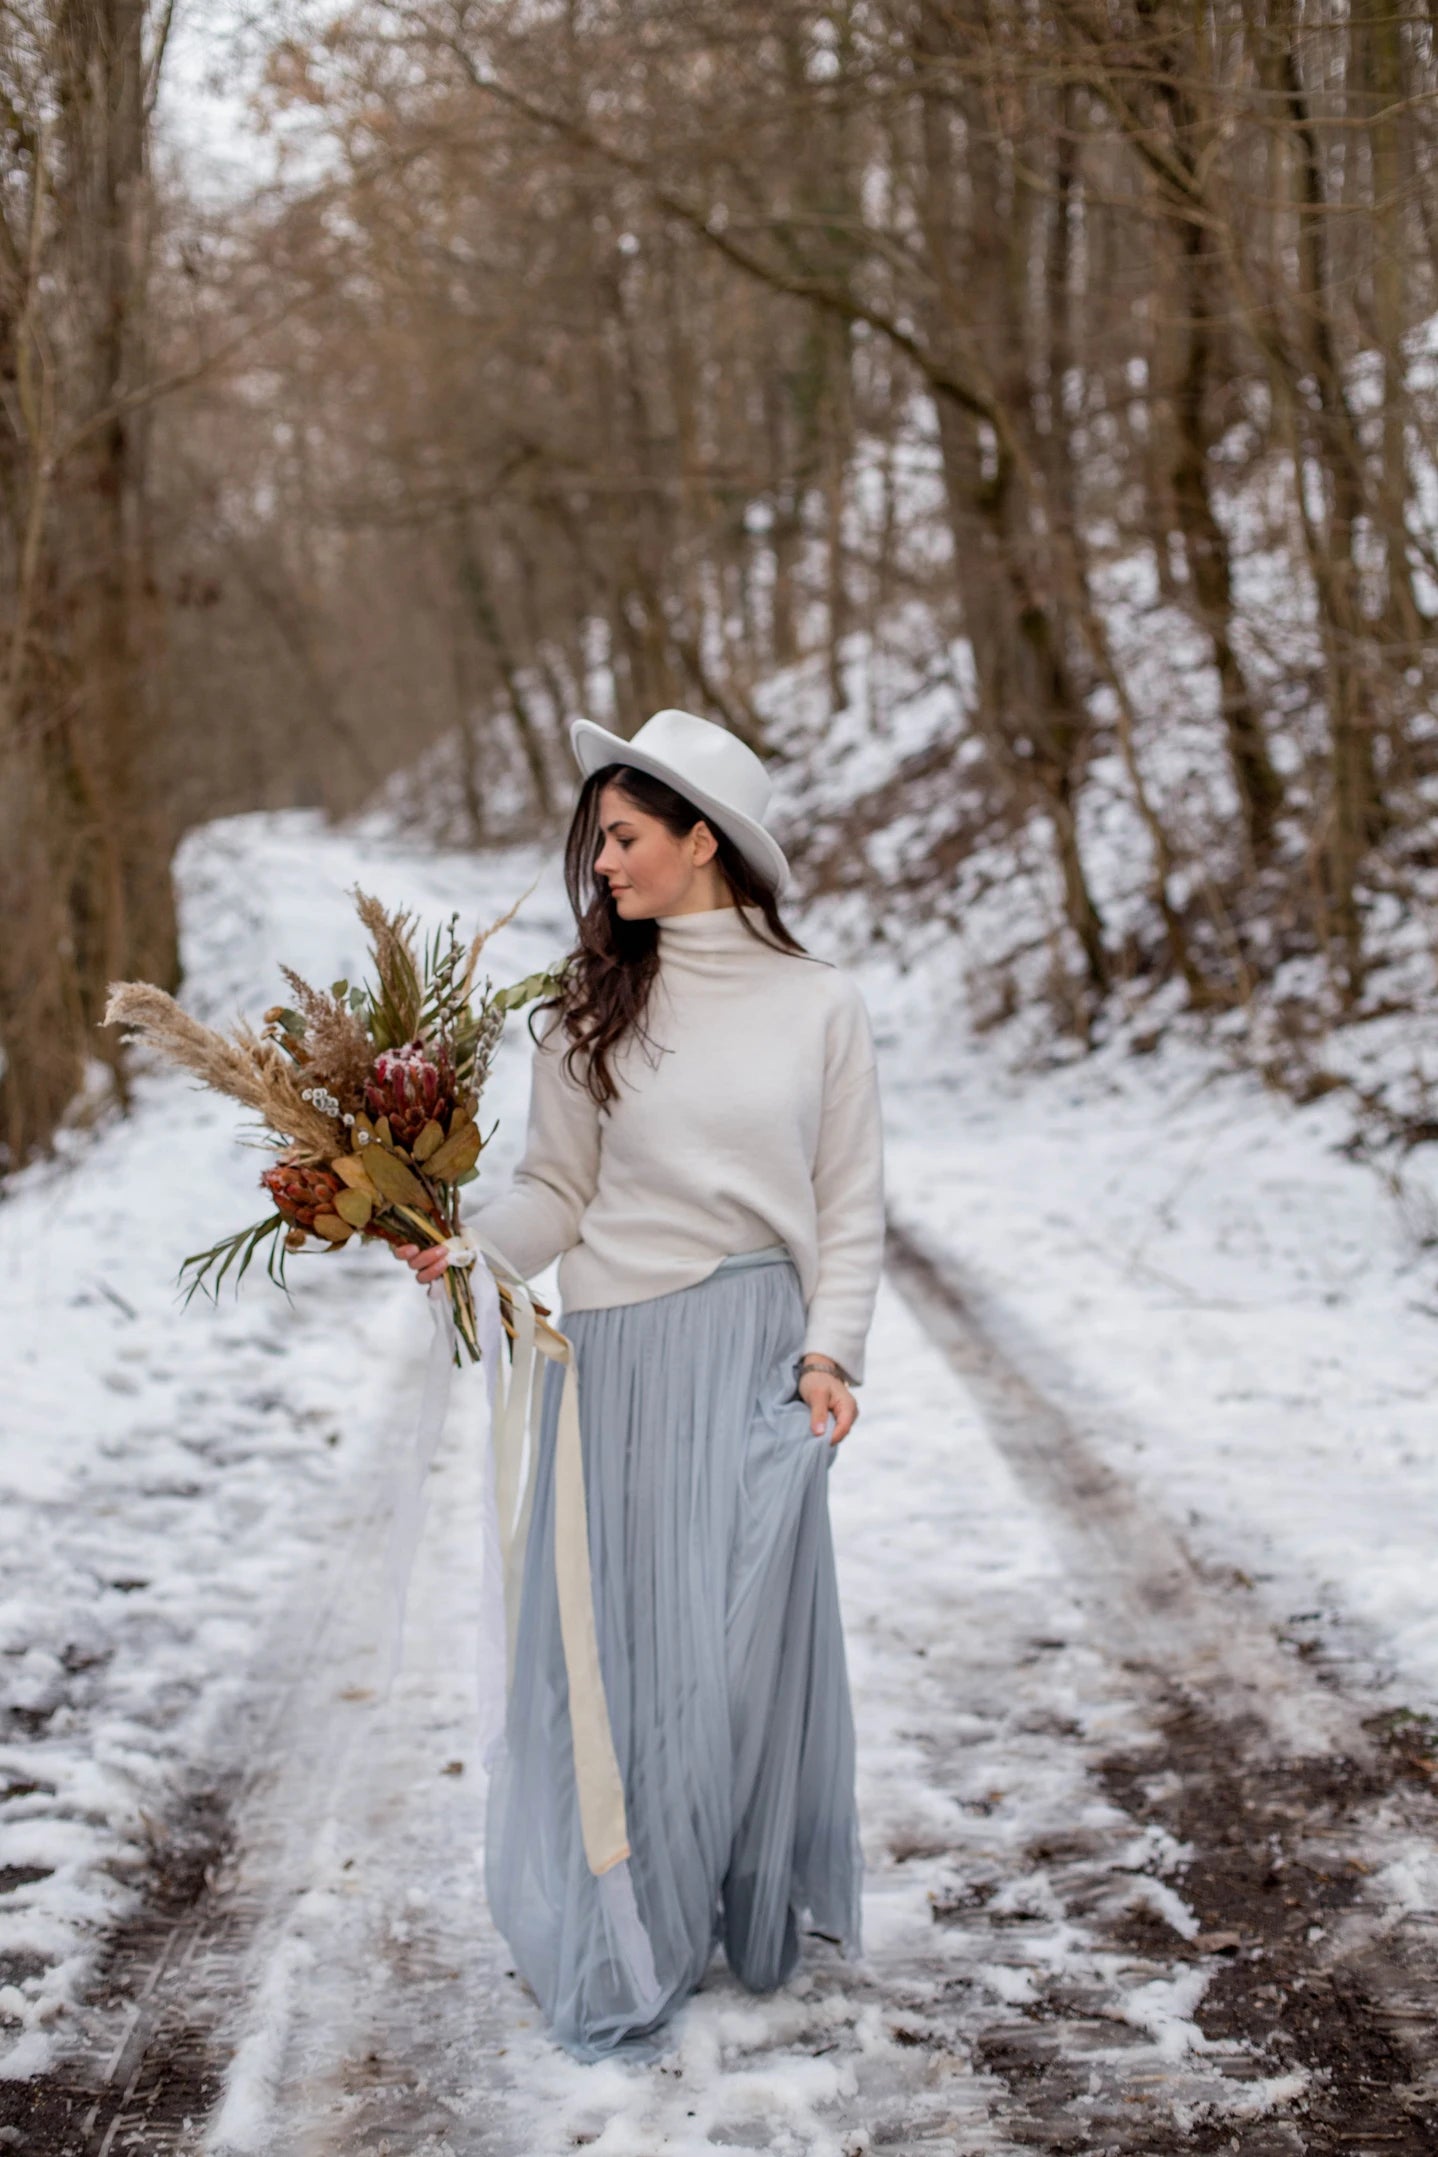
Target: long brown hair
column 613, row 965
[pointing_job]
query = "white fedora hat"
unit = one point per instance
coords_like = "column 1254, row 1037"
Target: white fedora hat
column 707, row 765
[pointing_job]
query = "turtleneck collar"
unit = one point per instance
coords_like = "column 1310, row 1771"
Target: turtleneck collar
column 717, row 929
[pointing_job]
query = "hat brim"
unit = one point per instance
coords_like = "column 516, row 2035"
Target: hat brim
column 594, row 746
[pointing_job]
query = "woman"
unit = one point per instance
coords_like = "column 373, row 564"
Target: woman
column 704, row 1158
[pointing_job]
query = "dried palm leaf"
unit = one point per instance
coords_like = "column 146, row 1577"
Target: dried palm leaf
column 208, row 1268
column 397, row 1005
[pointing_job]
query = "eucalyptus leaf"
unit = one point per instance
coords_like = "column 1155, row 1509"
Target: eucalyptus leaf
column 354, row 1206
column 394, row 1181
column 532, row 986
column 459, row 1152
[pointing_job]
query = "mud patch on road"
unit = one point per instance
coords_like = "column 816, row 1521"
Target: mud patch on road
column 1308, row 1967
column 1306, row 1990
column 143, row 2073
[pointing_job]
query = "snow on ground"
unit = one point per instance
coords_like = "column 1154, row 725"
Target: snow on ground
column 166, row 1470
column 1240, row 1318
column 398, row 1969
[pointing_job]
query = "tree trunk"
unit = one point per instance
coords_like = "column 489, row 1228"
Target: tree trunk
column 1330, row 440
column 474, row 580
column 82, row 679
column 1030, row 705
column 1205, row 543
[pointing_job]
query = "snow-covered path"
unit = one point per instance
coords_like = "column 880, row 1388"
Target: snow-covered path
column 1067, row 1945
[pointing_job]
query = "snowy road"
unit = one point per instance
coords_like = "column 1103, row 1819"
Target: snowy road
column 1146, row 1871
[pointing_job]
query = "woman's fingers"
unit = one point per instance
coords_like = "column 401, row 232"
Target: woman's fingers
column 826, row 1396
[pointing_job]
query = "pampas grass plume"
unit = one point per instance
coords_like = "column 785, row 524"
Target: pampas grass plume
column 246, row 1068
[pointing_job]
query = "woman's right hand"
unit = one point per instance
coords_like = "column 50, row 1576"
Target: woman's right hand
column 427, row 1261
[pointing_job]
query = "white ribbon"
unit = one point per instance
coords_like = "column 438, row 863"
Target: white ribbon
column 514, row 1428
column 492, row 1672
column 406, row 1511
column 515, row 1387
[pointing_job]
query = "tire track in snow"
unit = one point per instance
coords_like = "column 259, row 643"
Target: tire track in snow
column 1310, row 1822
column 369, row 2010
column 156, row 2047
column 1130, row 1568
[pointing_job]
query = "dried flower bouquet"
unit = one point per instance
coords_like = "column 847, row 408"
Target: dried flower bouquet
column 370, row 1095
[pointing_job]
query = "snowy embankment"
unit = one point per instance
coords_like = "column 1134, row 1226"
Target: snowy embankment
column 1241, row 1317
column 1237, row 1316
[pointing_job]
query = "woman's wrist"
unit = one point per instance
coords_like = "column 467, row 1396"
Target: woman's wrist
column 815, row 1362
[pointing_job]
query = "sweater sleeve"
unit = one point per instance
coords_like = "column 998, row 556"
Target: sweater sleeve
column 538, row 1217
column 849, row 1197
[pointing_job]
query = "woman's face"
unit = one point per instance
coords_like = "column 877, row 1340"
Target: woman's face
column 648, row 870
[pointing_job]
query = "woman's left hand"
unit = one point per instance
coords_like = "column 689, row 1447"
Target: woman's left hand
column 825, row 1396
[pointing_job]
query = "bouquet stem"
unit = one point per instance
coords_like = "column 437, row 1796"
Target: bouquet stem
column 461, row 1294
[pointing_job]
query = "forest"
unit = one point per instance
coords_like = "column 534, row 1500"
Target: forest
column 1062, row 372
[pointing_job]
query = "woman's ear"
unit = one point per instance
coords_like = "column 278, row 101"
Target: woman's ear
column 706, row 846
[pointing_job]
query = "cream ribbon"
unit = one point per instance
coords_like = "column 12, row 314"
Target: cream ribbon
column 515, row 1396
column 507, row 1480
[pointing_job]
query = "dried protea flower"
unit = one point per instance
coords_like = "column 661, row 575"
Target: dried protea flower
column 302, row 1194
column 411, row 1087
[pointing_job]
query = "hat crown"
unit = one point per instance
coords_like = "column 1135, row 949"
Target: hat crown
column 710, row 757
column 721, row 775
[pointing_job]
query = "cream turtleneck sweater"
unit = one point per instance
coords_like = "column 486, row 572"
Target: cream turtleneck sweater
column 751, row 1118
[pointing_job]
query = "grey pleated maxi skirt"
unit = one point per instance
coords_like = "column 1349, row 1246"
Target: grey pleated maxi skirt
column 723, row 1659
